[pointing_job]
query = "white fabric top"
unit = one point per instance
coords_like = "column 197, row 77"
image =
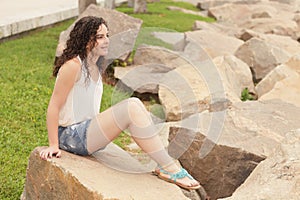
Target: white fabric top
column 83, row 101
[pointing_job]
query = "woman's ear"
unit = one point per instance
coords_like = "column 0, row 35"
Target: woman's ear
column 88, row 46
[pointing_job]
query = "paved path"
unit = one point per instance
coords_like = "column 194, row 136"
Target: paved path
column 17, row 16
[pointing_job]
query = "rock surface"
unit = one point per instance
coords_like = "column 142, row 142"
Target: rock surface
column 222, row 150
column 277, row 177
column 210, row 41
column 73, row 177
column 261, row 56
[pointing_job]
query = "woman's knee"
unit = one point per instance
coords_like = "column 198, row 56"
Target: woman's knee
column 135, row 103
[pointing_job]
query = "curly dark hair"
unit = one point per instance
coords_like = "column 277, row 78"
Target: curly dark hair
column 84, row 31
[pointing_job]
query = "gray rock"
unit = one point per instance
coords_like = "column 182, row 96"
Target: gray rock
column 276, row 76
column 231, row 13
column 223, row 28
column 279, row 26
column 175, row 39
column 213, row 43
column 158, row 55
column 141, row 79
column 261, row 56
column 75, row 177
column 278, row 176
column 236, row 76
column 222, row 150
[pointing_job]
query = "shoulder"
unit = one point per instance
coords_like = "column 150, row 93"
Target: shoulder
column 71, row 69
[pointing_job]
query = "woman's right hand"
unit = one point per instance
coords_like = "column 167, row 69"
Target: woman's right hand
column 49, row 152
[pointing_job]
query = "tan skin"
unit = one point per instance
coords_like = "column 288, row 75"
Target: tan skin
column 69, row 73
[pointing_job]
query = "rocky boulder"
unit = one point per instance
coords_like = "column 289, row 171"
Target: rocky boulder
column 213, row 43
column 277, row 177
column 236, row 76
column 275, row 84
column 274, row 25
column 221, row 149
column 226, row 29
column 280, row 91
column 231, row 13
column 151, row 63
column 75, row 177
column 261, row 56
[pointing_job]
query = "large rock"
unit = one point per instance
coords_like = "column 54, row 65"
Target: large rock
column 210, row 86
column 267, row 84
column 275, row 84
column 278, row 176
column 261, row 56
column 283, row 42
column 227, row 29
column 278, row 25
column 213, row 43
column 183, row 92
column 74, row 177
column 151, row 63
column 142, row 78
column 175, row 39
column 222, row 148
column 236, row 76
column 146, row 54
column 280, row 91
column 123, row 32
column 231, row 13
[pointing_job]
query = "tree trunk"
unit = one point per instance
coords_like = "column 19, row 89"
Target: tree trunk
column 83, row 4
column 110, row 4
column 130, row 3
column 140, row 6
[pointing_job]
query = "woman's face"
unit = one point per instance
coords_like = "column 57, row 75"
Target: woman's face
column 102, row 41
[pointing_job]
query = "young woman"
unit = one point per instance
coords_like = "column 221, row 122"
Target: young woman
column 73, row 120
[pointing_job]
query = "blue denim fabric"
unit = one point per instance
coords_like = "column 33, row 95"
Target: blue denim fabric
column 73, row 138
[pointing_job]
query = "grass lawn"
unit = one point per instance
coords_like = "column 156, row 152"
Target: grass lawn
column 26, row 85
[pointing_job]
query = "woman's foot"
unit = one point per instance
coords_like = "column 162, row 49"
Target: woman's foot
column 178, row 176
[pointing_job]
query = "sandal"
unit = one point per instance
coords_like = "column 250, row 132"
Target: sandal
column 174, row 176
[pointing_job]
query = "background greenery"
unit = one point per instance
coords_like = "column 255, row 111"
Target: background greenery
column 26, row 85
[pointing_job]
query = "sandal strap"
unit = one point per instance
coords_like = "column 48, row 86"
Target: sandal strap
column 179, row 175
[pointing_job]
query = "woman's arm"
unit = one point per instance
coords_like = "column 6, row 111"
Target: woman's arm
column 68, row 75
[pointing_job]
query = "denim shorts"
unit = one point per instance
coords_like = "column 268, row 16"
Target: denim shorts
column 73, row 138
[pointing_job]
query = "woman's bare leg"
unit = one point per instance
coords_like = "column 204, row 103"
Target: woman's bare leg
column 131, row 114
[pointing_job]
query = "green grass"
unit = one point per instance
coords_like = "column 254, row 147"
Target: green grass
column 160, row 16
column 26, row 85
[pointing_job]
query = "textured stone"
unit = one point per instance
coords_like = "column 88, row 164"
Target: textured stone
column 141, row 79
column 213, row 43
column 235, row 75
column 261, row 56
column 159, row 55
column 231, row 13
column 279, row 26
column 75, row 177
column 175, row 39
column 277, row 177
column 280, row 91
column 275, row 84
column 183, row 92
column 221, row 149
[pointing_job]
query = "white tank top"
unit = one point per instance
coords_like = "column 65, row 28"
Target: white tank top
column 83, row 101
